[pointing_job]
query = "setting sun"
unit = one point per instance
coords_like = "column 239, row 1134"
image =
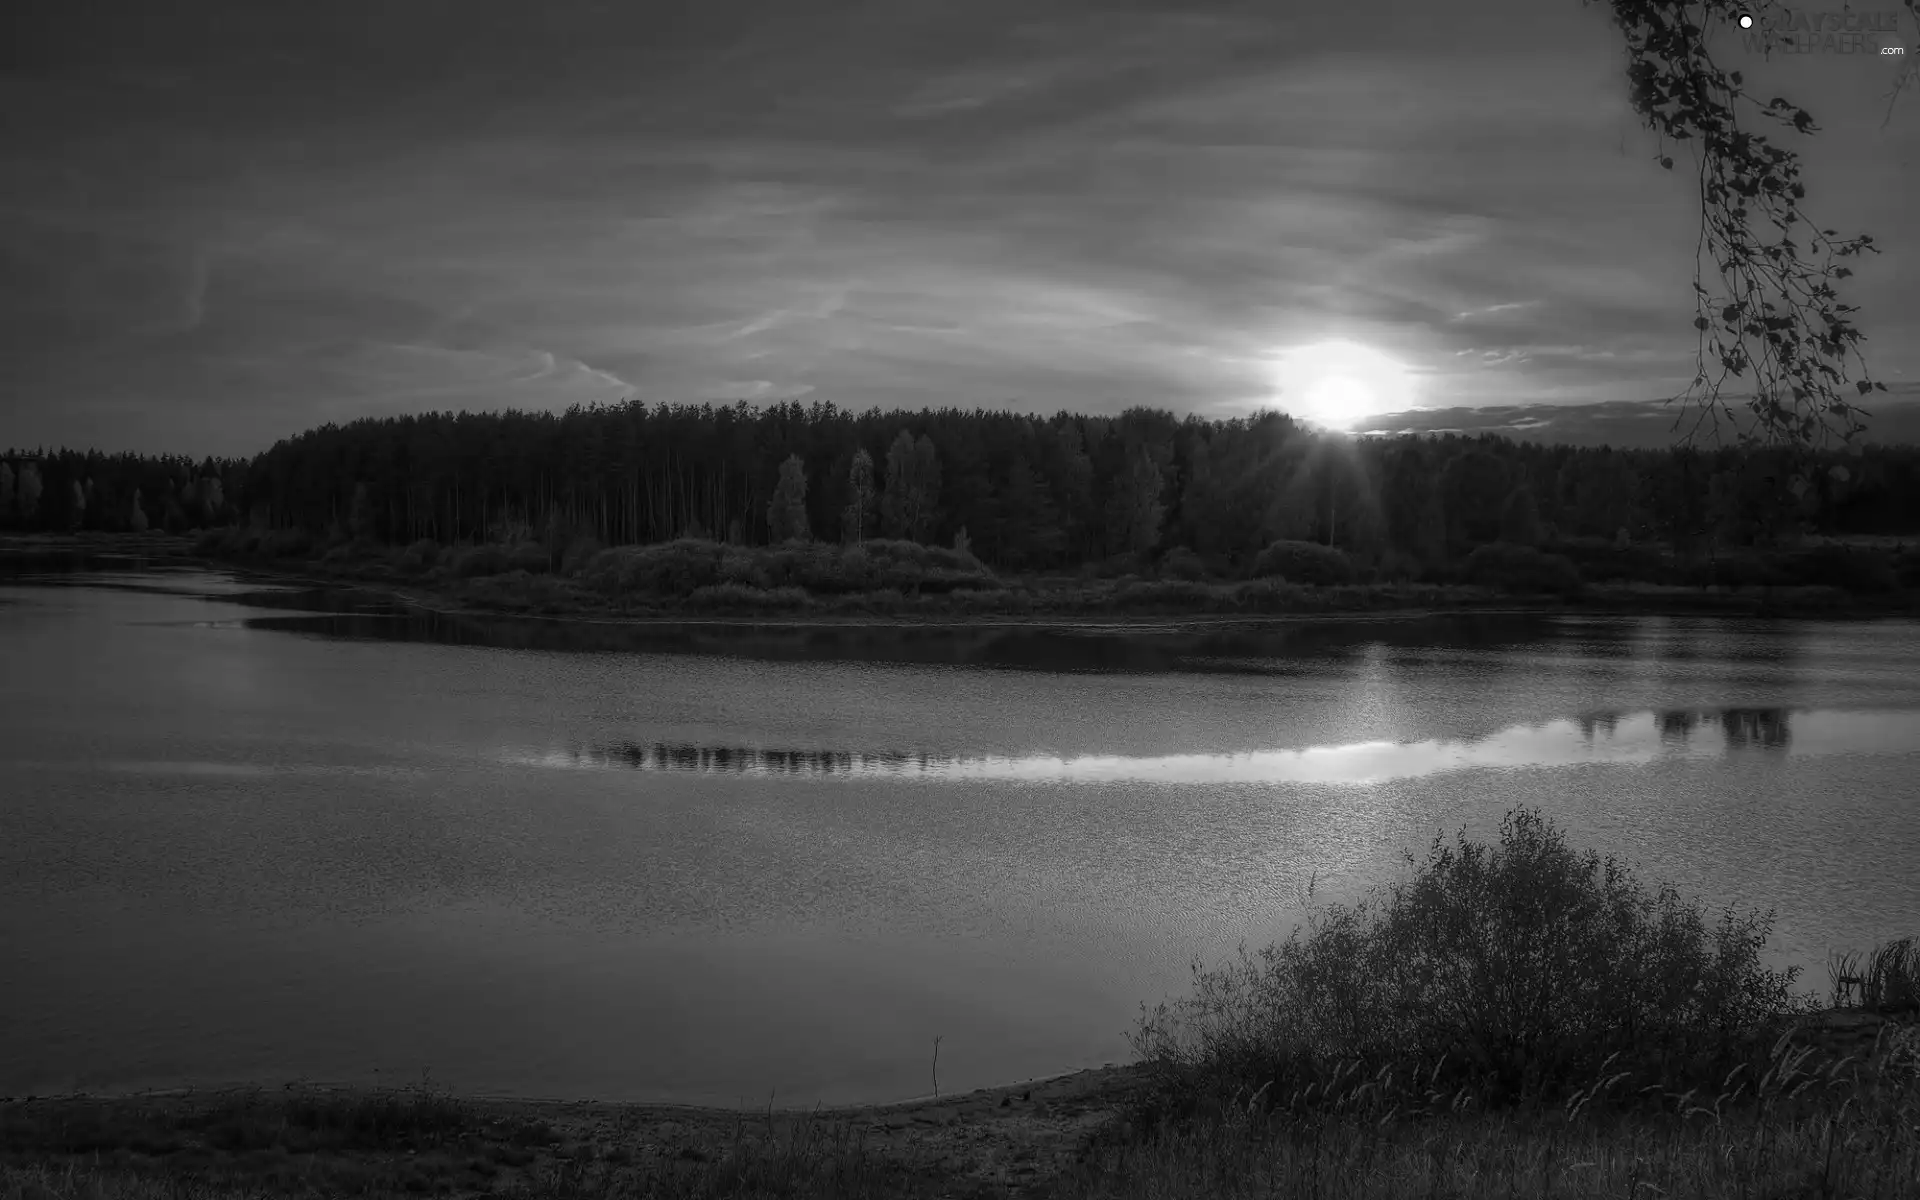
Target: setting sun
column 1337, row 384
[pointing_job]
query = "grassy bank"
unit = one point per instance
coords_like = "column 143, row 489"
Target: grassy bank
column 904, row 580
column 1516, row 1020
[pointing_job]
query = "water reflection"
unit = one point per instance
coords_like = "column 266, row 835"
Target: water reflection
column 1599, row 738
column 1755, row 727
column 1257, row 649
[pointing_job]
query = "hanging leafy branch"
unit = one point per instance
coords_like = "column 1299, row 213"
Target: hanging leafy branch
column 1774, row 312
column 1909, row 75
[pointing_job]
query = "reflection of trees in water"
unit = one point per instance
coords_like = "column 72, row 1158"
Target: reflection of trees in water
column 1748, row 727
column 1270, row 650
column 686, row 756
column 1677, row 725
column 1765, row 727
column 1591, row 723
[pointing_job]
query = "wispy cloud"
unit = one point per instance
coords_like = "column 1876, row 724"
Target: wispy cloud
column 1083, row 206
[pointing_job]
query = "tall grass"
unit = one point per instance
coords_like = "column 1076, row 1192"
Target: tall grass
column 1890, row 981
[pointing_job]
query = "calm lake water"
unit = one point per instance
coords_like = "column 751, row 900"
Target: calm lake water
column 259, row 835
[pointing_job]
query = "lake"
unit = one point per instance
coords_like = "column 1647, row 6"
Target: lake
column 262, row 834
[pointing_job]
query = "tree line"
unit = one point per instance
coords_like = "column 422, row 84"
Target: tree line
column 1020, row 491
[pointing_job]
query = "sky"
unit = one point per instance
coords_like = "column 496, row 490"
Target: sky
column 224, row 221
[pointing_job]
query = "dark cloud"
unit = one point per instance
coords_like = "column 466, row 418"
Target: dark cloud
column 224, row 220
column 1895, row 419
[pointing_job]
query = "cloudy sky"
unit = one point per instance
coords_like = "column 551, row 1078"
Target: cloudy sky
column 227, row 220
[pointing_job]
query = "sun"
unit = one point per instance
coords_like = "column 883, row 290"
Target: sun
column 1338, row 384
column 1339, row 401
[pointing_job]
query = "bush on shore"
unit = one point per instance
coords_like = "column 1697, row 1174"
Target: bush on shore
column 422, row 555
column 1603, row 560
column 681, row 568
column 1286, row 578
column 1183, row 564
column 1519, row 974
column 1303, row 562
column 1521, row 569
column 734, row 597
column 470, row 562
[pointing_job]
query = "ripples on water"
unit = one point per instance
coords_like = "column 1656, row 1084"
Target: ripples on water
column 698, row 861
column 1612, row 738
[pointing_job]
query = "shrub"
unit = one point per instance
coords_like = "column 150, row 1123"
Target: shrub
column 1906, row 568
column 995, row 600
column 1303, row 562
column 421, row 556
column 674, row 568
column 678, row 569
column 1743, row 570
column 1518, row 972
column 785, row 563
column 1807, row 599
column 1183, row 594
column 738, row 597
column 576, row 552
column 1183, row 564
column 530, row 557
column 741, row 567
column 285, row 543
column 1271, row 595
column 1520, row 569
column 1119, row 566
column 1853, row 569
column 1601, row 560
column 484, row 559
column 356, row 550
column 880, row 600
column 1396, row 567
column 856, row 568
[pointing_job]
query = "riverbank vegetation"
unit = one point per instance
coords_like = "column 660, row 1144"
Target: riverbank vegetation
column 792, row 509
column 691, row 577
column 1511, row 1019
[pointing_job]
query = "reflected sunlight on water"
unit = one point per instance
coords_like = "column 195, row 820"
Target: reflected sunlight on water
column 1608, row 738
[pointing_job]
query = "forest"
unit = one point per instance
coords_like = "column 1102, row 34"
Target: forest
column 795, row 507
column 1013, row 492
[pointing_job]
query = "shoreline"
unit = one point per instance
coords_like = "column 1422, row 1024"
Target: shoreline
column 1011, row 1140
column 440, row 597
